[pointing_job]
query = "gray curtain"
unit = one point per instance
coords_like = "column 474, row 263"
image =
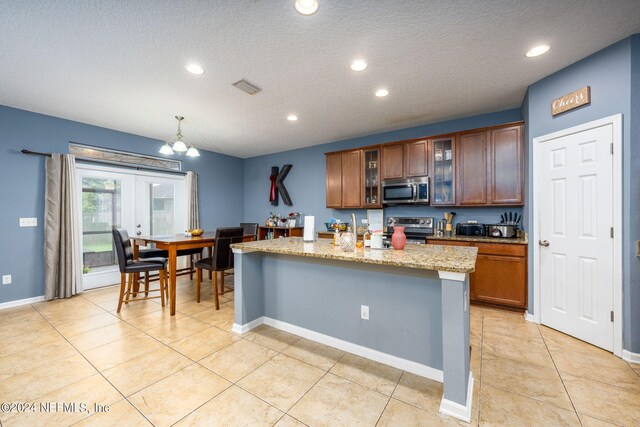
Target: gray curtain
column 63, row 265
column 193, row 213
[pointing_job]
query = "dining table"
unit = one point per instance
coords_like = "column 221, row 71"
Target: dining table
column 172, row 244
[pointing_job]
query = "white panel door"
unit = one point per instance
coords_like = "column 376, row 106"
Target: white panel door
column 575, row 181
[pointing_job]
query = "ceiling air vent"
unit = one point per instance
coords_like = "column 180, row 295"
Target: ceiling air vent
column 245, row 86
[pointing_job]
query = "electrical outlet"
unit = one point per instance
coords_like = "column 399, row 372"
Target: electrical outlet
column 28, row 222
column 364, row 312
column 6, row 279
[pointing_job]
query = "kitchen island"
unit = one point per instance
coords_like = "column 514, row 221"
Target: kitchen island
column 418, row 302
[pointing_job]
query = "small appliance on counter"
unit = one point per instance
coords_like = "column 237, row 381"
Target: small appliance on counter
column 470, row 229
column 417, row 229
column 507, row 228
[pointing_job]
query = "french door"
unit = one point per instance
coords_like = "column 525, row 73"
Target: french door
column 141, row 202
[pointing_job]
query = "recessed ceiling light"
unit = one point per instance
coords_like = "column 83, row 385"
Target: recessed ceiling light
column 358, row 65
column 537, row 51
column 292, row 117
column 306, row 7
column 195, row 69
column 380, row 93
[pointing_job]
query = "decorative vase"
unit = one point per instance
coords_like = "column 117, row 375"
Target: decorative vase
column 398, row 239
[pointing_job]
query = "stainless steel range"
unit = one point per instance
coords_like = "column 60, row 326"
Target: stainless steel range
column 415, row 228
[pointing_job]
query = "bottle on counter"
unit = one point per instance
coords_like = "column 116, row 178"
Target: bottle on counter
column 336, row 238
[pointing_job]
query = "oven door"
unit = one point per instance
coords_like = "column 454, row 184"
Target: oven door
column 398, row 193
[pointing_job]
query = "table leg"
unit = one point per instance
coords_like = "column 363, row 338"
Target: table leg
column 172, row 279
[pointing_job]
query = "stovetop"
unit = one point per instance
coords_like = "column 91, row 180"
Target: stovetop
column 417, row 229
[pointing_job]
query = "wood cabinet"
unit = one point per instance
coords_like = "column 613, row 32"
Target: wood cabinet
column 507, row 166
column 392, row 161
column 371, row 197
column 416, row 156
column 501, row 273
column 265, row 232
column 443, row 191
column 344, row 179
column 471, row 168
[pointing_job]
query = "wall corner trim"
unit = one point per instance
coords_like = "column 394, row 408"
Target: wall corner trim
column 530, row 317
column 241, row 329
column 449, row 407
column 630, row 357
column 20, row 302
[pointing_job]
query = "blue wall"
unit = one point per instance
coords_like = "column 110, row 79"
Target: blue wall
column 306, row 181
column 22, row 192
column 608, row 73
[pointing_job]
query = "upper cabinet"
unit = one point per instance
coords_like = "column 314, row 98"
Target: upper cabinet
column 443, row 181
column 392, row 161
column 416, row 156
column 471, row 168
column 480, row 167
column 507, row 166
column 344, row 179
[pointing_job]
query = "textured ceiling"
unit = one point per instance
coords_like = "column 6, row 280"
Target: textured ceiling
column 121, row 64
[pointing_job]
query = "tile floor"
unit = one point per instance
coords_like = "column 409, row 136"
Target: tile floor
column 190, row 370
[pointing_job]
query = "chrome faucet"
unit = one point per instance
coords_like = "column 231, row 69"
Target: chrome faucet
column 355, row 228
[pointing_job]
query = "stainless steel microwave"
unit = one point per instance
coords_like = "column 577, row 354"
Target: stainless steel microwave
column 405, row 191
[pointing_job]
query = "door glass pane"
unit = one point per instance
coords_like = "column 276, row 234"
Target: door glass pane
column 101, row 211
column 161, row 209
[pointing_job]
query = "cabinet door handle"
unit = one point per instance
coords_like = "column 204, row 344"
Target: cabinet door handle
column 544, row 243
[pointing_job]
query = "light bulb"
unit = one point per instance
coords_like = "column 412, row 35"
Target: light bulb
column 166, row 149
column 179, row 146
column 193, row 152
column 537, row 51
column 306, row 7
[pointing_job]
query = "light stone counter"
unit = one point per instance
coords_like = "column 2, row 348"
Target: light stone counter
column 452, row 259
column 523, row 240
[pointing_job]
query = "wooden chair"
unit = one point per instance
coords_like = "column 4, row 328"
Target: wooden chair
column 221, row 260
column 133, row 268
column 250, row 229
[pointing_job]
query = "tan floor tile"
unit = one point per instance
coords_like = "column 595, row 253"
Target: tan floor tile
column 28, row 340
column 289, row 421
column 117, row 352
column 154, row 319
column 282, row 381
column 21, row 327
column 141, row 371
column 81, row 326
column 194, row 384
column 204, row 343
column 516, row 329
column 556, row 340
column 120, row 414
column 176, row 329
column 192, row 307
column 136, row 309
column 476, row 311
column 222, row 318
column 588, row 421
column 496, row 313
column 271, row 337
column 233, row 407
column 313, row 353
column 238, row 359
column 528, row 380
column 335, row 401
column 526, row 351
column 502, row 408
column 101, row 336
column 371, row 374
column 35, row 357
column 419, row 391
column 97, row 295
column 79, row 310
column 604, row 401
column 597, row 365
column 398, row 413
column 22, row 313
column 91, row 391
column 33, row 383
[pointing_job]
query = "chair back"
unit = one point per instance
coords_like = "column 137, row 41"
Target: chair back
column 222, row 254
column 124, row 250
column 250, row 229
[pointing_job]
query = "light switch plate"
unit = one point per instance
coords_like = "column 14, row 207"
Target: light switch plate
column 6, row 279
column 28, row 222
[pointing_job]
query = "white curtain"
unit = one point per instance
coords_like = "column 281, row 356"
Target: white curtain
column 62, row 253
column 193, row 213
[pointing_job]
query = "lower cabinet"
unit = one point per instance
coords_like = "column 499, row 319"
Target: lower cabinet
column 501, row 273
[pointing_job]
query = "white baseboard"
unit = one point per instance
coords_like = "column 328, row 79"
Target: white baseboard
column 241, row 329
column 19, row 302
column 366, row 352
column 630, row 357
column 530, row 317
column 449, row 407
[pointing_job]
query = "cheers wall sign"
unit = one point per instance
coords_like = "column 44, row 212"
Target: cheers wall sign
column 571, row 100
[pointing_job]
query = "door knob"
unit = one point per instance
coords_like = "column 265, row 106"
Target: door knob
column 140, row 232
column 544, row 243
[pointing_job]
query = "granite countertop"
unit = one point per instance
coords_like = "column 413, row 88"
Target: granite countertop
column 425, row 257
column 523, row 240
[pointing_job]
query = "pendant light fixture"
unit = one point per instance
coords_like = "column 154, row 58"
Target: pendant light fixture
column 179, row 146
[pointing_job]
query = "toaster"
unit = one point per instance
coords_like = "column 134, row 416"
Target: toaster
column 469, row 229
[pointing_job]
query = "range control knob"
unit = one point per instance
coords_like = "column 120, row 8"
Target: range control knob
column 389, row 221
column 422, row 221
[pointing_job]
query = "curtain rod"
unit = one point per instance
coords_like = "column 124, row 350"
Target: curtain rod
column 25, row 151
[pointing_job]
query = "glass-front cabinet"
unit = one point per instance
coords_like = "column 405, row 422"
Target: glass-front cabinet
column 371, row 170
column 443, row 171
